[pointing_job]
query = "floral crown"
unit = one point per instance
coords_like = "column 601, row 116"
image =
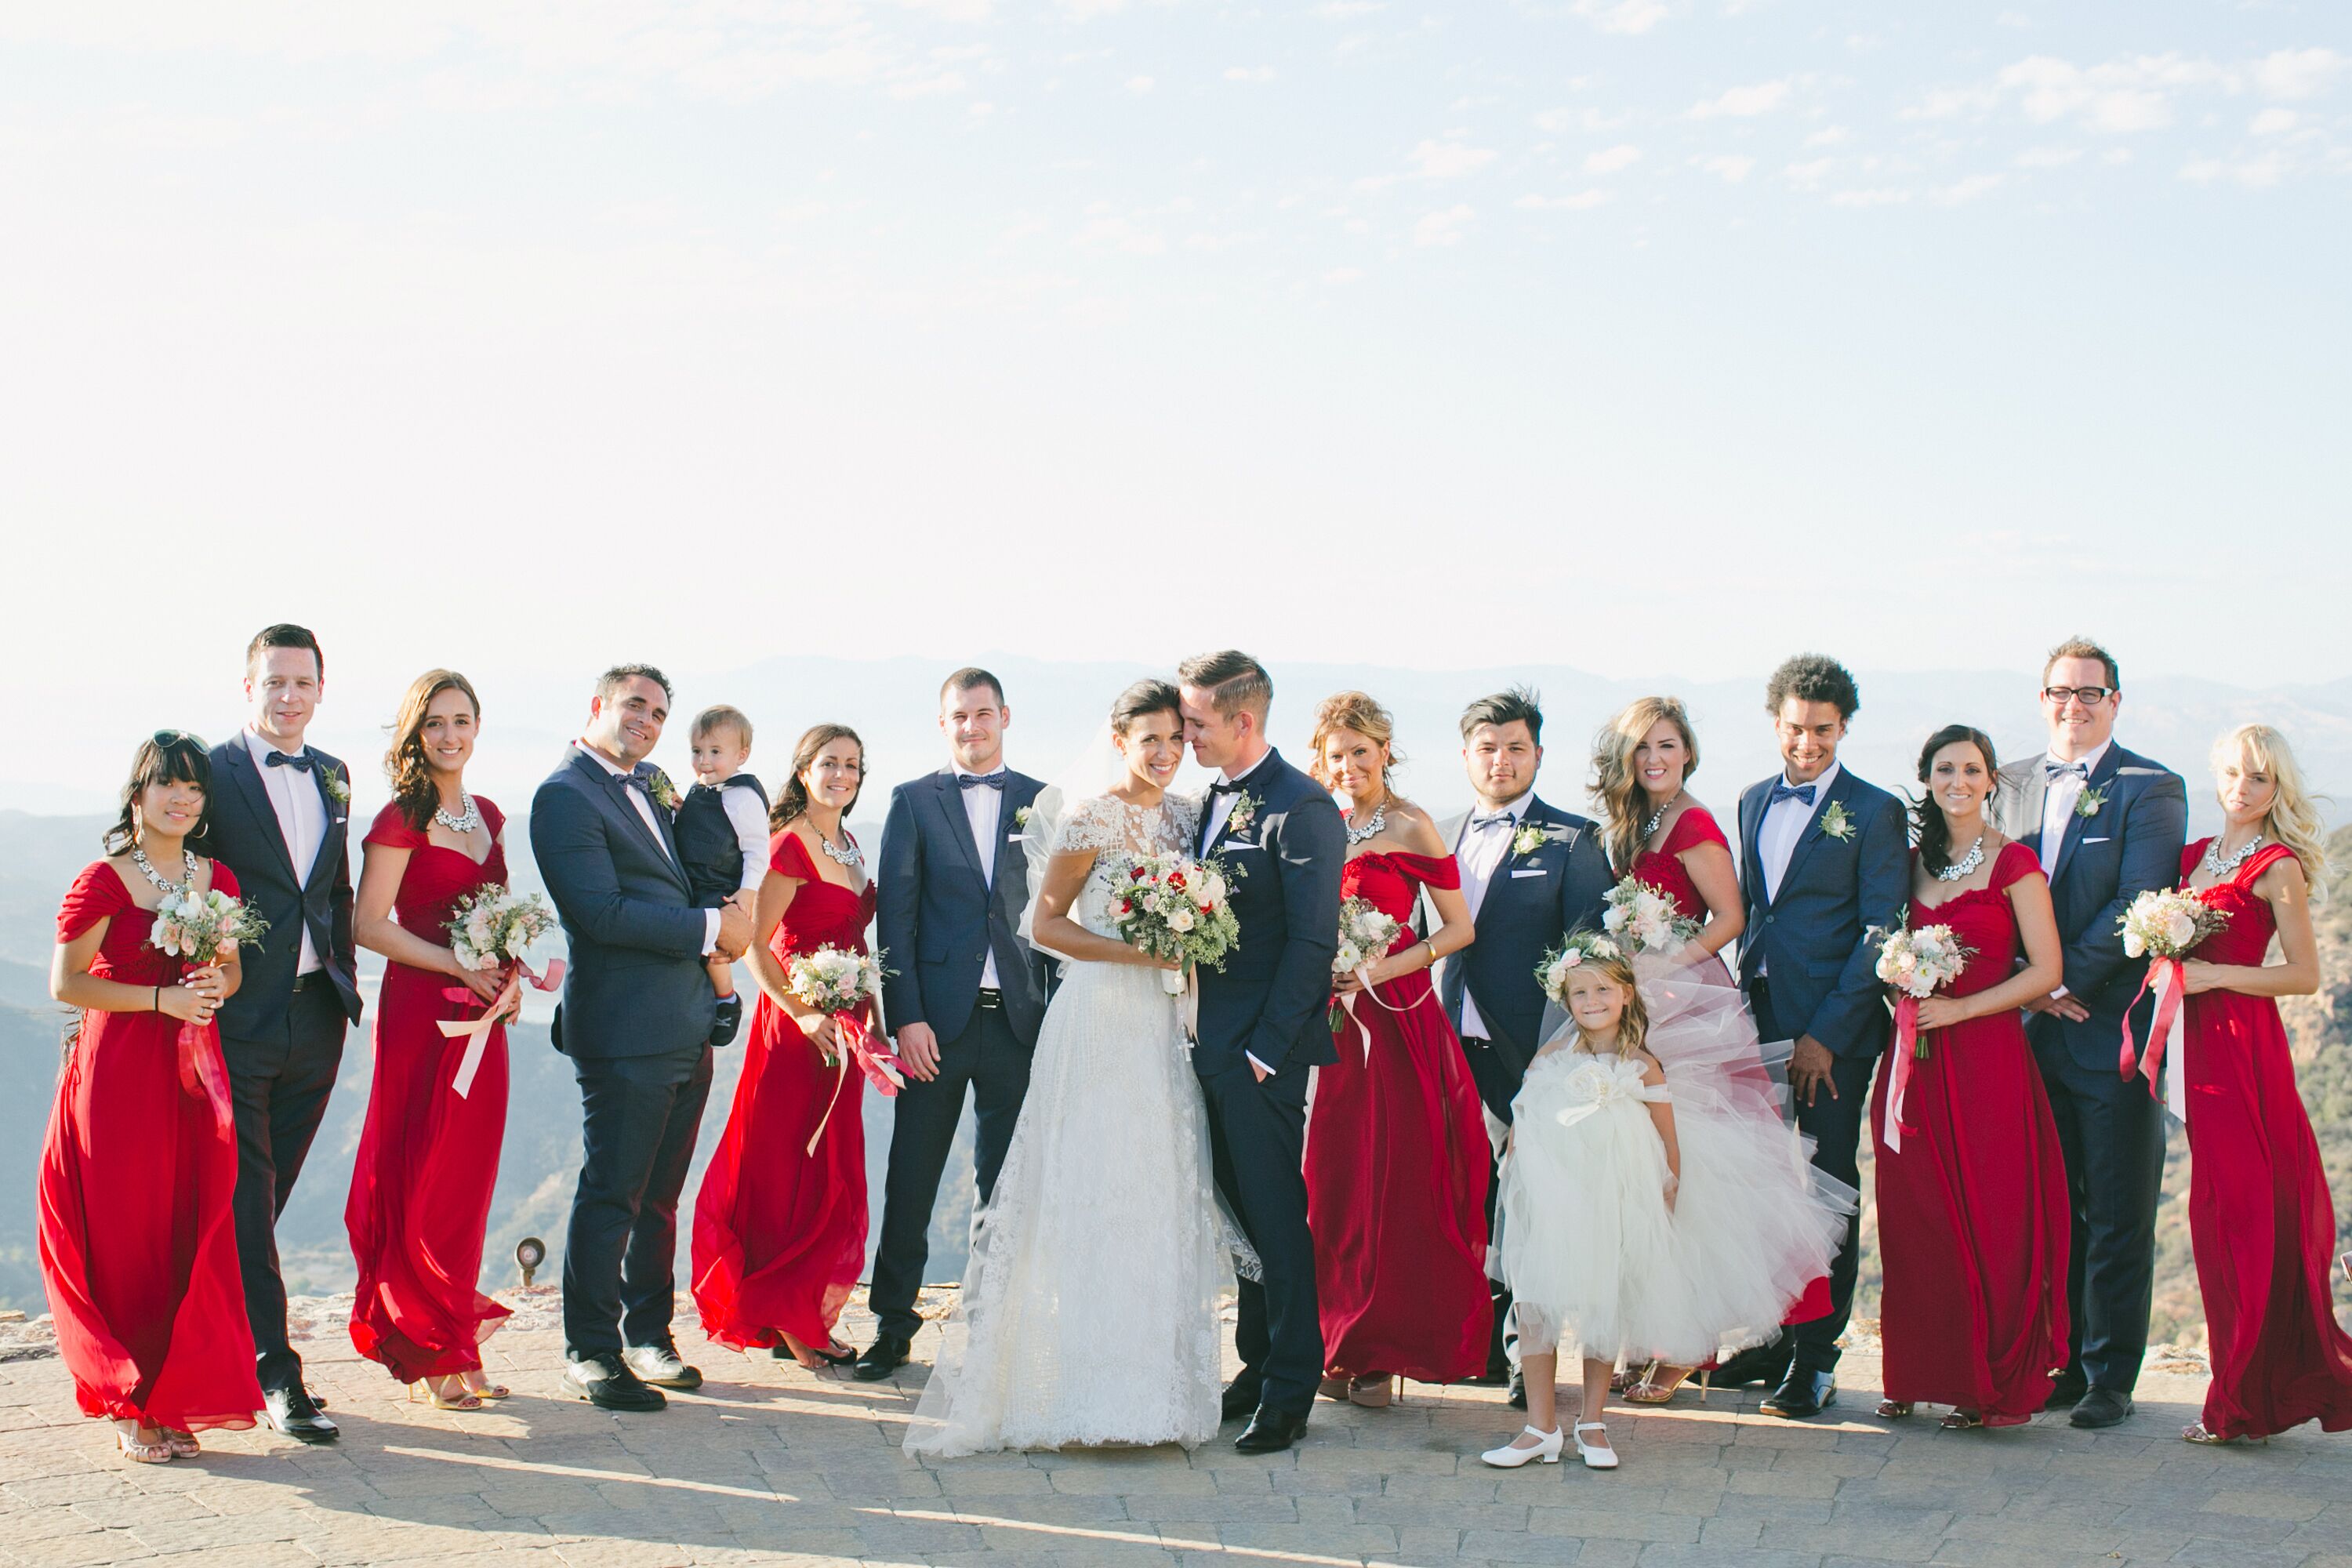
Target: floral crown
column 1579, row 950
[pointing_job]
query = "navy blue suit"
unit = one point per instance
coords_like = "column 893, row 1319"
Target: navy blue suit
column 1808, row 968
column 282, row 1041
column 1270, row 1002
column 2108, row 1125
column 635, row 1021
column 939, row 920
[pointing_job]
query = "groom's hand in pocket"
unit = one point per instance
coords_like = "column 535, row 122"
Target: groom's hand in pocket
column 919, row 1051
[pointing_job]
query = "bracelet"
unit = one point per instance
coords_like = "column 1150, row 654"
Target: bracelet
column 1427, row 943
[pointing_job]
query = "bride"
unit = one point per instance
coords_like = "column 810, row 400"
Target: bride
column 1089, row 1304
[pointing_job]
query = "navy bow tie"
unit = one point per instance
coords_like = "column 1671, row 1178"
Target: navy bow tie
column 644, row 781
column 299, row 760
column 1480, row 823
column 973, row 781
column 1781, row 792
column 2057, row 769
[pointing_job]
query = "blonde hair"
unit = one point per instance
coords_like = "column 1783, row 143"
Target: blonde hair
column 722, row 717
column 1633, row 1023
column 1616, row 786
column 2293, row 817
column 1356, row 712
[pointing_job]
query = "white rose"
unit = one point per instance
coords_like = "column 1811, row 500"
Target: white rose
column 2134, row 947
column 1180, row 919
column 2179, row 928
column 1212, row 889
column 1613, row 917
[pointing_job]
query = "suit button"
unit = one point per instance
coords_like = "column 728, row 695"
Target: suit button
column 1769, row 919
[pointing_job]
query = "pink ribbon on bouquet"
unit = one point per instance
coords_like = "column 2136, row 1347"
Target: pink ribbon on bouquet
column 2170, row 983
column 878, row 1063
column 1906, row 1049
column 476, row 1031
column 201, row 1075
column 1346, row 999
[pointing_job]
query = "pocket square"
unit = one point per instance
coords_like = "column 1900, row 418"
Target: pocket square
column 1539, row 872
column 1239, row 844
column 2091, row 841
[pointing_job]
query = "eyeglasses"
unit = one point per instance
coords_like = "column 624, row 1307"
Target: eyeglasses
column 2091, row 696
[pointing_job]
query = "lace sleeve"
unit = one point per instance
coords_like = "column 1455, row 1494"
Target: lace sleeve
column 1184, row 817
column 1094, row 824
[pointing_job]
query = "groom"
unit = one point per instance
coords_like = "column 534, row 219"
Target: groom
column 1261, row 1025
column 635, row 1021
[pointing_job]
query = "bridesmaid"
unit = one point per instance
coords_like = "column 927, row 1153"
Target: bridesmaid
column 780, row 1234
column 1972, row 1210
column 1397, row 1158
column 1655, row 828
column 2260, row 1219
column 428, row 1157
column 138, row 1244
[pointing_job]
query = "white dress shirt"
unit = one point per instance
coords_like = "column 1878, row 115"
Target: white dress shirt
column 643, row 801
column 301, row 813
column 985, row 809
column 2065, row 793
column 1480, row 854
column 750, row 821
column 1784, row 824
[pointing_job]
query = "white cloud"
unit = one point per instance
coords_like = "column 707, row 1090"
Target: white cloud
column 1443, row 227
column 1808, row 175
column 1731, row 167
column 2254, row 173
column 1621, row 15
column 1578, row 202
column 1449, row 159
column 1612, row 160
column 2298, row 73
column 1140, row 85
column 1827, row 136
column 2275, row 123
column 1340, row 276
column 1249, row 73
column 1870, row 198
column 1738, row 102
column 1342, row 10
column 1118, row 236
column 1965, row 190
column 2047, row 157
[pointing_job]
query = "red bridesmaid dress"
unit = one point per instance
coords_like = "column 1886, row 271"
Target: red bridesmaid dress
column 2260, row 1219
column 780, row 1234
column 1972, row 1212
column 1397, row 1168
column 428, row 1158
column 138, row 1243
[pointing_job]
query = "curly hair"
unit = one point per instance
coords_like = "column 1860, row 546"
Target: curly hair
column 1356, row 712
column 1813, row 677
column 404, row 764
column 1616, row 786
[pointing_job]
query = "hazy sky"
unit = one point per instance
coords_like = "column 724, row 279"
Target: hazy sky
column 1631, row 334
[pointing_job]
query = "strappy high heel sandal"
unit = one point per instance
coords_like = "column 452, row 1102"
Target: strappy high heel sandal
column 1961, row 1421
column 465, row 1399
column 1894, row 1409
column 1510, row 1456
column 1649, row 1390
column 141, row 1452
column 1374, row 1391
column 487, row 1390
column 1596, row 1456
column 1334, row 1387
column 182, row 1442
column 2195, row 1431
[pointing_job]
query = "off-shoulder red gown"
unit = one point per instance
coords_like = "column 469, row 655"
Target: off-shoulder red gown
column 428, row 1158
column 780, row 1234
column 1972, row 1212
column 1397, row 1168
column 138, row 1243
column 2260, row 1219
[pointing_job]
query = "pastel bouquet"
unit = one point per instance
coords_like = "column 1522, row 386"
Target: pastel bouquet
column 205, row 928
column 839, row 983
column 1366, row 934
column 492, row 928
column 1177, row 908
column 1916, row 961
column 2163, row 925
column 1645, row 918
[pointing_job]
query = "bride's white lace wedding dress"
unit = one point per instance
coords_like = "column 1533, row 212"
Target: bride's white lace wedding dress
column 1088, row 1313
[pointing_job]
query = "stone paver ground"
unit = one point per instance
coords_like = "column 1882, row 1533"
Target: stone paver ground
column 770, row 1464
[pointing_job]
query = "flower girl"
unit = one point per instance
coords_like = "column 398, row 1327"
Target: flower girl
column 1645, row 1212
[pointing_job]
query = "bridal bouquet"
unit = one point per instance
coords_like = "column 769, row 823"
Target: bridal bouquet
column 838, row 983
column 492, row 928
column 1366, row 933
column 2163, row 925
column 1178, row 909
column 1643, row 916
column 205, row 928
column 1916, row 961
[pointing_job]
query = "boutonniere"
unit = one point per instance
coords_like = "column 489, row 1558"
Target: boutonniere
column 2089, row 802
column 1534, row 836
column 1020, row 818
column 1835, row 822
column 665, row 792
column 332, row 782
column 1243, row 813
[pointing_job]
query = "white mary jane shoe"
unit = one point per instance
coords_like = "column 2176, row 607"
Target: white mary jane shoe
column 1509, row 1457
column 1602, row 1458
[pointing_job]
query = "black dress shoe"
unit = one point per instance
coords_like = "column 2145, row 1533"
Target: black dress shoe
column 606, row 1382
column 1765, row 1363
column 292, row 1411
column 662, row 1366
column 1519, row 1390
column 2101, row 1407
column 2067, row 1391
column 886, row 1355
column 1241, row 1398
column 1802, row 1395
column 1270, row 1432
column 726, row 1020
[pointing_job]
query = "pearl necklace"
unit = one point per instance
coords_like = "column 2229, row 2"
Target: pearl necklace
column 849, row 857
column 1370, row 829
column 138, row 858
column 1657, row 816
column 2220, row 868
column 1966, row 864
column 464, row 826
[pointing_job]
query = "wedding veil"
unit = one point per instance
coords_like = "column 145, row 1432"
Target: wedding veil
column 1099, row 769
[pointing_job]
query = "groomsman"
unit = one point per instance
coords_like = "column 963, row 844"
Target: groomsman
column 2109, row 824
column 1823, row 858
column 968, row 995
column 281, row 821
column 1530, row 873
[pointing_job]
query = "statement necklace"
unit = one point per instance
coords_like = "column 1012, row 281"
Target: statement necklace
column 848, row 857
column 138, row 858
column 1966, row 864
column 2220, row 868
column 464, row 826
column 1657, row 816
column 1370, row 829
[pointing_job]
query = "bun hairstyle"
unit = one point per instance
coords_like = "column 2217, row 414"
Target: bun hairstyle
column 1356, row 712
column 1928, row 825
column 792, row 800
column 167, row 756
column 1145, row 696
column 1616, row 786
column 2293, row 820
column 403, row 764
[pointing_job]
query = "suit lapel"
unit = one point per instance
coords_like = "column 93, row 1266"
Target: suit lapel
column 1752, row 807
column 608, row 792
column 328, row 823
column 951, row 799
column 2033, row 794
column 256, row 800
column 2076, row 821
